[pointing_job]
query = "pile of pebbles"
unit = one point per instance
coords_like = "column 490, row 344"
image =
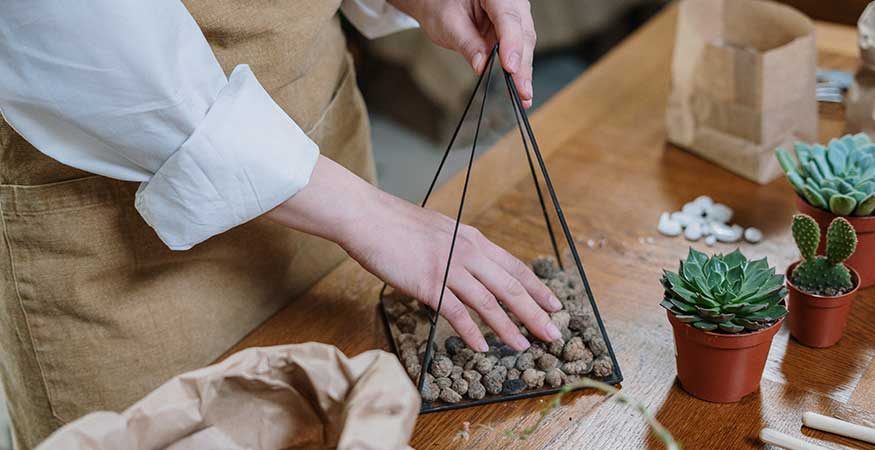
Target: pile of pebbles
column 703, row 218
column 458, row 372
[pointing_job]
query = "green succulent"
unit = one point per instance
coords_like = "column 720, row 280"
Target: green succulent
column 839, row 178
column 726, row 293
column 825, row 275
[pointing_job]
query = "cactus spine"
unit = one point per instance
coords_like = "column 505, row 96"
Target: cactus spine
column 823, row 275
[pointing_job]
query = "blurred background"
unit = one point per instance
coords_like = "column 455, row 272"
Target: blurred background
column 416, row 91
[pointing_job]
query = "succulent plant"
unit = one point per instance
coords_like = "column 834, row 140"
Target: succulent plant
column 839, row 178
column 726, row 293
column 825, row 275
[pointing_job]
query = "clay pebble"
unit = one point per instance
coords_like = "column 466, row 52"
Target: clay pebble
column 460, row 385
column 450, row 396
column 574, row 349
column 547, row 362
column 476, row 391
column 407, row 323
column 441, row 366
column 545, row 267
column 534, row 379
column 513, row 374
column 471, row 376
column 580, row 367
column 508, row 361
column 525, row 361
column 553, row 378
column 602, row 367
column 453, row 344
column 511, row 387
column 443, row 382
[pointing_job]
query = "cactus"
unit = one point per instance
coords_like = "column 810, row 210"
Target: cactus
column 823, row 275
column 839, row 178
column 727, row 293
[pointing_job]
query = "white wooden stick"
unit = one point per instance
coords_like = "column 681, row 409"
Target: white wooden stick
column 839, row 427
column 778, row 439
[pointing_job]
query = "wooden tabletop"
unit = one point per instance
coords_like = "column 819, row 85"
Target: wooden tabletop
column 605, row 144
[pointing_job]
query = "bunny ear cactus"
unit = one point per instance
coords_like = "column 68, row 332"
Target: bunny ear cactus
column 728, row 294
column 823, row 275
column 839, row 178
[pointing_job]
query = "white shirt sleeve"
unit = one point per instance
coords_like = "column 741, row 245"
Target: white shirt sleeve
column 376, row 18
column 130, row 89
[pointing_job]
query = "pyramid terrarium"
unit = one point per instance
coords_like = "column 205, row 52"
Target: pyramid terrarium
column 450, row 375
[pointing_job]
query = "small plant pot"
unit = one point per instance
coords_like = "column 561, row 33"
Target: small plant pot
column 862, row 258
column 720, row 368
column 816, row 320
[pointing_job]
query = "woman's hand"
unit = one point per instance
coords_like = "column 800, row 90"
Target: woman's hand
column 407, row 246
column 472, row 27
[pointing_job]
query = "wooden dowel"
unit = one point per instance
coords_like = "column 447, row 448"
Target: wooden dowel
column 839, row 427
column 778, row 439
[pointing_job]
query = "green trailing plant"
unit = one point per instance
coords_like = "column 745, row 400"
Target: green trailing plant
column 839, row 178
column 823, row 275
column 729, row 294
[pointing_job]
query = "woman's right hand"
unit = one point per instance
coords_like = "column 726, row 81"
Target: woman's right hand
column 407, row 246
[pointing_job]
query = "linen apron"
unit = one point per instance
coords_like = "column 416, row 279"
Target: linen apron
column 95, row 311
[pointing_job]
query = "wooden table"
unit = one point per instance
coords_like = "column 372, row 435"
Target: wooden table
column 605, row 144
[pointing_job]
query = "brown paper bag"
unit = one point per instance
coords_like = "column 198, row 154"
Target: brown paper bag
column 303, row 396
column 743, row 83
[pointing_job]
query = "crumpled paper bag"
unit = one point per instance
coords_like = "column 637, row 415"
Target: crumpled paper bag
column 302, row 396
column 743, row 83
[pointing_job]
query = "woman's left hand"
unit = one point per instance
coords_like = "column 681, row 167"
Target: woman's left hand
column 472, row 28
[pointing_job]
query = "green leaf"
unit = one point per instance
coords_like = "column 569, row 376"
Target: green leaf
column 686, row 318
column 730, row 327
column 703, row 325
column 735, row 259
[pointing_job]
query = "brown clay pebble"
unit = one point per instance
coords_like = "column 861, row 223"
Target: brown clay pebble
column 456, row 373
column 453, row 344
column 406, row 339
column 602, row 367
column 576, row 322
column 575, row 349
column 590, row 333
column 547, row 362
column 441, row 366
column 430, row 392
column 598, row 346
column 450, row 396
column 533, row 378
column 462, row 356
column 545, row 267
column 560, row 318
column 460, row 386
column 508, row 361
column 492, row 386
column 394, row 309
column 513, row 374
column 572, row 379
column 443, row 382
column 536, row 350
column 555, row 347
column 553, row 378
column 511, row 387
column 492, row 340
column 581, row 367
column 413, row 371
column 525, row 361
column 506, row 350
column 476, row 391
column 484, row 365
column 471, row 375
column 407, row 323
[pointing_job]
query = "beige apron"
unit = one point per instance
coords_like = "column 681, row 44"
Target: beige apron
column 94, row 310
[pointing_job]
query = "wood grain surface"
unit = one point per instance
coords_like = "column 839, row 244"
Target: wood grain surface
column 605, row 144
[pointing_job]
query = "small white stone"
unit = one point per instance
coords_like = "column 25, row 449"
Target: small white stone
column 719, row 212
column 683, row 218
column 753, row 235
column 704, row 201
column 693, row 210
column 667, row 226
column 725, row 233
column 693, row 232
column 710, row 241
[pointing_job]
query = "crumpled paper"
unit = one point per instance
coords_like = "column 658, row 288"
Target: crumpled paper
column 301, row 396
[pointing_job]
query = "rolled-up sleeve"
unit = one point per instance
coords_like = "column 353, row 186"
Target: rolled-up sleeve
column 376, row 18
column 131, row 90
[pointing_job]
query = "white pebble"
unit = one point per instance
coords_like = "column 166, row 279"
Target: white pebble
column 725, row 233
column 693, row 232
column 710, row 241
column 753, row 235
column 693, row 210
column 704, row 201
column 683, row 218
column 667, row 226
column 719, row 212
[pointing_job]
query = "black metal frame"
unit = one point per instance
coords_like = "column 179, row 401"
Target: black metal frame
column 525, row 130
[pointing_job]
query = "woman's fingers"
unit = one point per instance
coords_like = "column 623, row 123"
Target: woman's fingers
column 472, row 292
column 467, row 40
column 513, row 294
column 507, row 19
column 457, row 315
column 517, row 269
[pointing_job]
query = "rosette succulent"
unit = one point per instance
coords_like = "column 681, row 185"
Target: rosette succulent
column 823, row 275
column 839, row 178
column 725, row 293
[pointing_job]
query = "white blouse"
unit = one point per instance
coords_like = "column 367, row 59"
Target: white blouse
column 130, row 89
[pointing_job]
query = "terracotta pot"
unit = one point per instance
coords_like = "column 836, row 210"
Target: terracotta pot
column 816, row 320
column 717, row 367
column 863, row 260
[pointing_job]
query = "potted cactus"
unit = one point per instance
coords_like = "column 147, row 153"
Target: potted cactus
column 838, row 180
column 821, row 287
column 724, row 310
